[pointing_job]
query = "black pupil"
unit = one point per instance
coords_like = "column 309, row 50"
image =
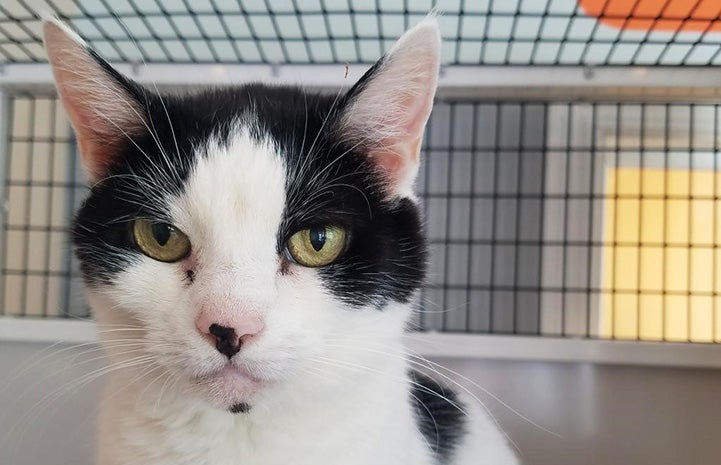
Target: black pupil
column 317, row 237
column 161, row 232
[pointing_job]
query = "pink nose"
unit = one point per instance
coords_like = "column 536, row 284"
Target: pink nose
column 228, row 330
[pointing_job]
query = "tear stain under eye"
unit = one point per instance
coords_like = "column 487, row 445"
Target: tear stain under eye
column 190, row 276
column 284, row 266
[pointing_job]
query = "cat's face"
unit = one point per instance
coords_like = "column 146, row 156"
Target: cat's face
column 247, row 236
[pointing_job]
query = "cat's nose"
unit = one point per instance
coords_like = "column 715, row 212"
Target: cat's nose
column 228, row 332
column 226, row 340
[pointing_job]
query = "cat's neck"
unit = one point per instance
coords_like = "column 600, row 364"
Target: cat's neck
column 280, row 426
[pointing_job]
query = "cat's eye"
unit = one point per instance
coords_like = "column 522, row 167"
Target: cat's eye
column 160, row 241
column 317, row 246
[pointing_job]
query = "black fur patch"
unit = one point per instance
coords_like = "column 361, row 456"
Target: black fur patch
column 240, row 407
column 439, row 415
column 330, row 180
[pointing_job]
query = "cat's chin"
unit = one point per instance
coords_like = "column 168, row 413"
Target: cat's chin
column 229, row 386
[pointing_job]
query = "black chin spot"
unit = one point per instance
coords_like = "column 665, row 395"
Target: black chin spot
column 240, row 407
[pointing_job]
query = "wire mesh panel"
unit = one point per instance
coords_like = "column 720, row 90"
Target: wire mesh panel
column 504, row 32
column 596, row 220
column 577, row 220
column 41, row 190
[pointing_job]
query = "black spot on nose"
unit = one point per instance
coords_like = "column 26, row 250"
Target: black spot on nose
column 228, row 342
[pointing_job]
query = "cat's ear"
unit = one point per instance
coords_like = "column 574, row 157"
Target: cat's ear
column 103, row 106
column 387, row 110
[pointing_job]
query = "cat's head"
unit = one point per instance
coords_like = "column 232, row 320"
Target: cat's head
column 243, row 237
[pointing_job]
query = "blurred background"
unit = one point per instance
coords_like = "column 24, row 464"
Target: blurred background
column 570, row 180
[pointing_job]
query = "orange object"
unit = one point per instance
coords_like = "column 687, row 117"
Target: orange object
column 656, row 15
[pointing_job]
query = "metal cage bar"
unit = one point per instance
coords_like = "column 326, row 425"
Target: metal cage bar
column 525, row 32
column 576, row 220
column 39, row 278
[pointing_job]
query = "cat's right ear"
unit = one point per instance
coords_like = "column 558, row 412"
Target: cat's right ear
column 103, row 105
column 387, row 109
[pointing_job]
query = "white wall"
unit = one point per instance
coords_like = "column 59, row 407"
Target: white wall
column 606, row 415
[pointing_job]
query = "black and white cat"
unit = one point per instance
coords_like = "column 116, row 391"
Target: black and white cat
column 251, row 254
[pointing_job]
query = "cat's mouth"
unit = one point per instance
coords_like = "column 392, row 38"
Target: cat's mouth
column 230, row 385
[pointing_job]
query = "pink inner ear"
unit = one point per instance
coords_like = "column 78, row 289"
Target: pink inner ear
column 390, row 164
column 399, row 157
column 391, row 111
column 97, row 136
column 103, row 115
column 399, row 163
column 95, row 149
column 101, row 109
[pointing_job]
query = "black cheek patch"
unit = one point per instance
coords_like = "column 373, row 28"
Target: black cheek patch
column 385, row 260
column 103, row 243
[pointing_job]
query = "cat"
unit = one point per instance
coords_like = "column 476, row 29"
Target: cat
column 251, row 255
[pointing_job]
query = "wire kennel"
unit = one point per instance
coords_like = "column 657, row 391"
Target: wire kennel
column 570, row 173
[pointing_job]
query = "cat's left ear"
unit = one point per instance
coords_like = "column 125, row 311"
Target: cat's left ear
column 387, row 110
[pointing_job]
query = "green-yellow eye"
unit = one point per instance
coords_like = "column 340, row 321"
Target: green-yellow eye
column 160, row 241
column 317, row 246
